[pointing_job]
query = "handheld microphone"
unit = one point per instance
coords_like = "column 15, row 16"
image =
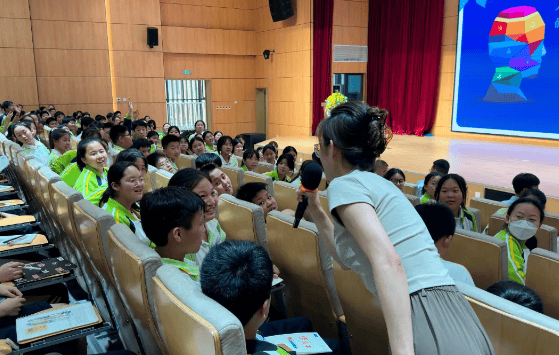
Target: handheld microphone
column 310, row 179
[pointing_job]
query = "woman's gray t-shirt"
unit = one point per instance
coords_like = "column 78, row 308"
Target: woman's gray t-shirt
column 402, row 224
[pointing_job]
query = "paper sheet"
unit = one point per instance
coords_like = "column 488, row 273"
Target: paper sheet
column 302, row 343
column 21, row 239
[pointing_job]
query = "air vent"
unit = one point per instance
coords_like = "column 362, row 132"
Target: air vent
column 343, row 53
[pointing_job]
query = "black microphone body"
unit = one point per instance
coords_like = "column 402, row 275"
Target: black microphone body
column 310, row 179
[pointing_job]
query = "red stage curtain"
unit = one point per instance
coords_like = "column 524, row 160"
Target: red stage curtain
column 405, row 39
column 322, row 57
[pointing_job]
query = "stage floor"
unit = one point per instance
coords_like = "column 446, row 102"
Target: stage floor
column 477, row 161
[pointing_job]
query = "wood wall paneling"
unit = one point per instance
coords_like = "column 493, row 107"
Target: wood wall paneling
column 140, row 12
column 208, row 66
column 208, row 41
column 128, row 37
column 66, row 62
column 450, row 27
column 351, row 13
column 138, row 64
column 17, row 62
column 68, row 10
column 22, row 90
column 71, row 90
column 141, row 89
column 14, row 9
column 302, row 14
column 450, row 8
column 356, row 36
column 232, row 4
column 15, row 33
column 206, row 17
column 93, row 109
column 155, row 110
column 349, row 68
column 242, row 111
column 448, row 60
column 69, row 35
column 233, row 89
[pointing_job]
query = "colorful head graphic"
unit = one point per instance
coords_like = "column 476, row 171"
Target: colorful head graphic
column 516, row 49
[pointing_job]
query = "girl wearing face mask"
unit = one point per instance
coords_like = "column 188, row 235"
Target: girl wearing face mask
column 524, row 218
column 91, row 160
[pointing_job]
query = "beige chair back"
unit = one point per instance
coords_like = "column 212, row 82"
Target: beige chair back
column 323, row 184
column 484, row 257
column 285, row 194
column 149, row 179
column 263, row 168
column 487, row 208
column 413, row 199
column 191, row 323
column 306, row 267
column 477, row 215
column 546, row 235
column 410, row 189
column 552, row 220
column 162, row 178
column 185, row 161
column 235, row 175
column 249, row 176
column 46, row 178
column 542, row 276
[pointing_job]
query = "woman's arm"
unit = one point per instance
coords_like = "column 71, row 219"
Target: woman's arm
column 390, row 278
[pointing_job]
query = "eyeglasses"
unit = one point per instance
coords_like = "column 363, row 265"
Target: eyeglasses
column 398, row 182
column 317, row 150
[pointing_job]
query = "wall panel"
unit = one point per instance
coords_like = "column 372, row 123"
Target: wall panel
column 178, row 15
column 74, row 90
column 17, row 62
column 242, row 111
column 141, row 90
column 130, row 37
column 15, row 33
column 232, row 4
column 21, row 90
column 69, row 35
column 138, row 64
column 350, row 13
column 67, row 62
column 68, row 10
column 208, row 66
column 208, row 41
column 141, row 12
column 233, row 89
column 356, row 36
column 14, row 9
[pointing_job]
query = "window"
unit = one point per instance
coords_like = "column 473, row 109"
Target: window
column 186, row 102
column 350, row 85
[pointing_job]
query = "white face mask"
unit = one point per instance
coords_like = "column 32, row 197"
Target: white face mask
column 522, row 229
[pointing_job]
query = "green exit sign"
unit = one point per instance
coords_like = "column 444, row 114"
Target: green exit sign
column 187, row 72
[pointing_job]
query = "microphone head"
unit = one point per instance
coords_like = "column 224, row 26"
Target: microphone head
column 311, row 176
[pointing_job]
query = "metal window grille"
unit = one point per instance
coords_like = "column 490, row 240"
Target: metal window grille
column 186, row 102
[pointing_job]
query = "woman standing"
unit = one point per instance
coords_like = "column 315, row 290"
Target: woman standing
column 379, row 235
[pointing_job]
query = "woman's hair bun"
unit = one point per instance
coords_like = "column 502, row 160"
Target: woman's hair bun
column 379, row 134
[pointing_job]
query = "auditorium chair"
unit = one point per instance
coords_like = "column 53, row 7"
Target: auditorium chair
column 242, row 220
column 190, row 322
column 323, row 183
column 264, row 167
column 512, row 329
column 149, row 179
column 487, row 208
column 542, row 276
column 413, row 178
column 285, row 194
column 46, row 178
column 410, row 189
column 235, row 175
column 413, row 199
column 305, row 265
column 185, row 161
column 477, row 215
column 92, row 224
column 73, row 143
column 249, row 176
column 362, row 313
column 133, row 265
column 239, row 160
column 552, row 220
column 323, row 197
column 484, row 257
column 546, row 235
column 162, row 178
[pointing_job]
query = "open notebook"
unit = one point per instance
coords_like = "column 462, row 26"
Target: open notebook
column 56, row 321
column 44, row 269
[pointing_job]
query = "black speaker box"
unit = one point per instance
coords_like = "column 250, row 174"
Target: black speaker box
column 281, row 10
column 253, row 138
column 153, row 37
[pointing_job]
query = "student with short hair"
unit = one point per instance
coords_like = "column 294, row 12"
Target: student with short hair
column 173, row 219
column 452, row 190
column 217, row 135
column 440, row 166
column 220, row 181
column 517, row 293
column 121, row 138
column 285, row 166
column 270, row 153
column 430, row 186
column 238, row 148
column 199, row 128
column 174, row 131
column 250, row 160
column 274, row 144
column 209, row 140
column 381, row 167
column 225, row 151
column 439, row 220
column 255, row 192
column 197, row 145
column 139, row 130
column 290, row 150
column 91, row 160
column 522, row 182
column 153, row 137
column 136, row 157
column 60, row 143
column 534, row 194
column 397, row 177
column 171, row 149
column 59, row 116
column 70, row 122
column 207, row 159
column 143, row 146
column 51, row 122
column 24, row 135
column 260, row 154
column 524, row 218
column 160, row 161
column 184, row 145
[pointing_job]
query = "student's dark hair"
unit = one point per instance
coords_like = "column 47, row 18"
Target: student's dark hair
column 358, row 131
column 518, row 294
column 248, row 191
column 206, row 159
column 85, row 114
column 208, row 168
column 194, row 139
column 222, row 141
column 85, row 122
column 428, row 178
column 195, row 123
column 188, row 178
column 100, row 117
column 97, row 124
column 238, row 275
column 238, row 136
column 131, row 155
column 170, row 128
column 43, row 113
column 535, row 193
column 379, row 163
column 530, row 201
column 108, row 115
column 206, row 133
column 58, row 113
column 269, row 147
column 438, row 218
column 441, row 166
column 216, row 132
column 116, row 132
column 153, row 158
column 166, row 208
column 141, row 143
column 62, row 126
column 82, row 149
column 108, row 125
column 185, row 135
column 115, row 174
column 152, row 122
column 235, row 142
column 391, row 172
column 302, row 168
column 7, row 104
column 49, row 120
column 290, row 159
column 249, row 153
column 139, row 123
column 169, row 139
column 289, row 149
column 68, row 119
column 55, row 135
column 115, row 113
column 461, row 184
column 524, row 181
column 91, row 132
column 152, row 133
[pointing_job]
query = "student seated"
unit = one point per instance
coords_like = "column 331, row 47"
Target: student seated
column 217, row 135
column 60, row 143
column 270, row 154
column 24, row 135
column 518, row 294
column 529, row 193
column 297, row 178
column 524, row 218
column 381, row 167
column 397, row 177
column 225, row 151
column 255, row 192
column 220, row 181
column 522, row 182
column 200, row 183
column 173, row 219
column 240, row 138
column 70, row 122
column 174, row 131
column 153, row 138
column 238, row 275
column 197, row 146
column 144, row 146
column 286, row 164
column 125, row 188
column 120, row 137
column 134, row 156
column 290, row 150
column 260, row 154
column 440, row 166
column 171, row 149
column 207, row 159
column 160, row 161
column 91, row 160
column 139, row 130
column 184, row 145
column 238, row 148
column 51, row 122
column 430, row 186
column 66, row 165
column 209, row 140
column 274, row 144
column 439, row 220
column 452, row 191
column 250, row 160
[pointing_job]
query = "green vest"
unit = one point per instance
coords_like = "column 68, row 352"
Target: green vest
column 92, row 184
column 425, row 198
column 187, row 266
column 275, row 177
column 71, row 174
column 64, row 161
column 121, row 214
column 515, row 254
